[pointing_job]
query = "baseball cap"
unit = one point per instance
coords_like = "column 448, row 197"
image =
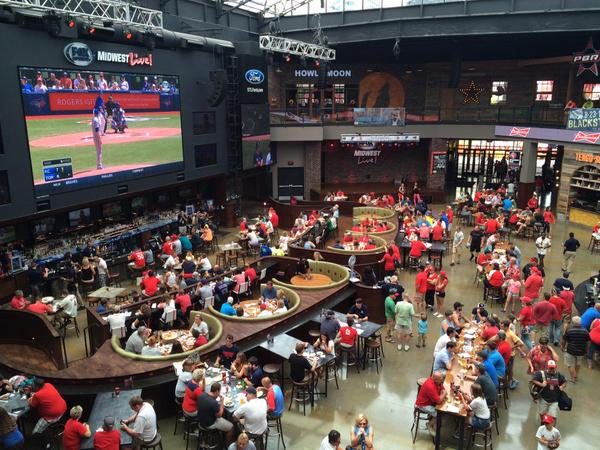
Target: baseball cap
column 251, row 390
column 566, row 288
column 481, row 305
column 546, row 418
column 551, row 363
column 458, row 305
column 443, row 273
column 109, row 422
column 526, row 299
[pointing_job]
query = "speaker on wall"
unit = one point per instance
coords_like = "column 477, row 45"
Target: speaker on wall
column 122, row 189
column 43, row 205
column 217, row 79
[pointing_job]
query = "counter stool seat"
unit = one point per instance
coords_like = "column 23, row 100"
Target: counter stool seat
column 155, row 444
column 275, row 423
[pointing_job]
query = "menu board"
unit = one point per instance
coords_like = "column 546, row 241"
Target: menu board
column 438, row 162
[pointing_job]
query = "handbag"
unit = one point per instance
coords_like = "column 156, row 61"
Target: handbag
column 565, row 403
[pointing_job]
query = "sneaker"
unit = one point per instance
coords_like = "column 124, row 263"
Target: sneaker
column 418, row 346
column 399, row 347
column 406, row 348
column 513, row 385
column 451, row 264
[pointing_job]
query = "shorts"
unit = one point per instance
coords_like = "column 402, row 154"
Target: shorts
column 440, row 294
column 403, row 329
column 221, row 425
column 42, row 424
column 428, row 410
column 540, row 328
column 572, row 360
column 479, row 423
column 547, row 408
column 475, row 248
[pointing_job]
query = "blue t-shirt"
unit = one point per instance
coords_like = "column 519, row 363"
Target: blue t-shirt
column 186, row 244
column 588, row 317
column 279, row 402
column 491, row 371
column 11, row 439
column 269, row 294
column 441, row 359
column 361, row 441
column 498, row 361
column 227, row 309
column 265, row 250
column 422, row 326
column 507, row 204
column 256, row 376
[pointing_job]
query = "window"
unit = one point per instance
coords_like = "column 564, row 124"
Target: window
column 303, row 93
column 543, row 90
column 204, row 123
column 499, row 89
column 205, row 155
column 339, row 94
column 4, row 188
column 591, row 91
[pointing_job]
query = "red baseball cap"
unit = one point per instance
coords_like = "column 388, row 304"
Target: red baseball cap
column 526, row 300
column 546, row 418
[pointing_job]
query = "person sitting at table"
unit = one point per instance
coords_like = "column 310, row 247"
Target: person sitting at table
column 265, row 250
column 338, row 245
column 137, row 340
column 348, row 237
column 102, row 306
column 227, row 308
column 107, row 438
column 227, row 353
column 149, row 284
column 19, row 301
column 275, row 400
column 490, row 329
column 200, row 339
column 239, row 367
column 144, row 422
column 253, row 239
column 75, row 431
column 199, row 325
column 361, row 435
column 10, row 435
column 253, row 413
column 188, row 266
column 489, row 367
column 325, row 344
column 48, row 403
column 417, row 247
column 39, row 307
column 67, row 307
column 431, row 394
column 239, row 311
column 481, row 377
column 210, row 412
column 496, row 358
column 268, row 292
column 359, row 311
column 347, row 334
column 303, row 269
column 443, row 360
column 477, row 408
column 239, row 278
column 299, row 364
column 281, row 308
column 254, row 371
column 151, row 347
column 193, row 389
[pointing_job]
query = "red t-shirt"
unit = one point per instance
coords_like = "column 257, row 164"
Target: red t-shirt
column 533, row 284
column 39, row 308
column 429, row 395
column 526, row 316
column 505, row 350
column 431, row 281
column 388, row 262
column 417, row 248
column 242, row 226
column 489, row 332
column 190, row 399
column 595, row 332
column 107, row 440
column 348, row 335
column 184, row 301
column 421, row 282
column 48, row 402
column 396, row 251
column 274, row 220
column 491, row 226
column 349, row 237
column 250, row 274
column 138, row 258
column 167, row 248
column 150, row 285
column 74, row 431
column 200, row 341
column 569, row 298
column 450, row 215
column 496, row 279
column 544, row 312
column 437, row 233
column 560, row 306
column 18, row 303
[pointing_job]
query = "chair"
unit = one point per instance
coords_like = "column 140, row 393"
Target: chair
column 221, row 259
column 481, row 438
column 373, row 353
column 263, row 274
column 243, row 288
column 528, row 233
column 331, row 374
column 275, row 422
column 314, row 333
column 418, row 416
column 156, row 443
column 350, row 351
column 492, row 295
column 209, row 301
column 209, row 439
column 114, row 279
column 494, row 416
column 477, row 279
column 259, row 440
column 413, row 263
column 300, row 393
column 179, row 416
column 273, row 371
column 503, row 390
column 69, row 323
column 53, row 435
column 436, row 260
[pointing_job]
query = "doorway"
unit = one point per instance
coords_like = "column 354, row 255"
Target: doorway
column 290, row 182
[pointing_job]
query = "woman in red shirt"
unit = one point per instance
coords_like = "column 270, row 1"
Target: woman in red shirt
column 539, row 356
column 548, row 219
column 75, row 431
column 193, row 389
column 527, row 321
column 389, row 263
column 416, row 249
column 495, row 278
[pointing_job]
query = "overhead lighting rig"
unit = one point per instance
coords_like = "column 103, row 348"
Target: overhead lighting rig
column 287, row 46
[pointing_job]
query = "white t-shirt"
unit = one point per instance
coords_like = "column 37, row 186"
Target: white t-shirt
column 325, row 445
column 117, row 321
column 254, row 414
column 542, row 245
column 102, row 267
column 480, row 408
column 69, row 305
column 543, row 432
column 441, row 344
column 145, row 423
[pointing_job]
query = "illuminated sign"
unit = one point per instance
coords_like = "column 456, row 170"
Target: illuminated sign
column 587, row 158
column 587, row 59
column 356, row 138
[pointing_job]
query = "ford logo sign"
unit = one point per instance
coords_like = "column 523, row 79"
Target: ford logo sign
column 254, row 76
column 78, row 54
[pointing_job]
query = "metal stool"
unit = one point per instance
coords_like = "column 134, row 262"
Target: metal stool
column 418, row 416
column 492, row 295
column 377, row 336
column 350, row 351
column 273, row 371
column 220, row 259
column 53, row 435
column 331, row 366
column 179, row 417
column 300, row 393
column 156, row 443
column 436, row 260
column 594, row 245
column 259, row 440
column 114, row 280
column 70, row 323
column 314, row 333
column 503, row 390
column 275, row 422
column 477, row 279
column 485, row 437
column 373, row 353
column 494, row 416
column 209, row 439
column 190, row 424
column 420, row 382
column 413, row 263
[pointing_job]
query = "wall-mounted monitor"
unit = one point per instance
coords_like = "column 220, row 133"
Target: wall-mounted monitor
column 79, row 217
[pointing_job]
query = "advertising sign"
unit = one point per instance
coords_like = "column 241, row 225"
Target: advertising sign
column 584, row 119
column 84, row 101
column 384, row 117
column 253, row 79
column 438, row 162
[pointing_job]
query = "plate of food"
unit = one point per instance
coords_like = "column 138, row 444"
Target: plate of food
column 228, row 402
column 170, row 335
column 261, row 393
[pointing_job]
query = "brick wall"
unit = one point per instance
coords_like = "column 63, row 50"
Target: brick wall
column 312, row 168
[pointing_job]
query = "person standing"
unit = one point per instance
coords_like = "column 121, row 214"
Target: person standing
column 48, row 403
column 404, row 314
column 475, row 241
column 457, row 242
column 544, row 313
column 569, row 252
column 552, row 383
column 97, row 129
column 390, row 316
column 557, row 321
column 575, row 343
column 542, row 244
column 102, row 268
column 547, row 435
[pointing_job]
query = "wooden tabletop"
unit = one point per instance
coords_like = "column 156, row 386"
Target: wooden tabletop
column 106, row 292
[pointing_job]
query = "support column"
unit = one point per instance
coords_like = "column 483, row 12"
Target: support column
column 312, row 169
column 527, row 175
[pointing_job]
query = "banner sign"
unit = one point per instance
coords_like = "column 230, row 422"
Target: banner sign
column 590, row 158
column 253, row 79
column 550, row 134
column 386, row 117
column 83, row 101
column 358, row 138
column 584, row 119
column 438, row 162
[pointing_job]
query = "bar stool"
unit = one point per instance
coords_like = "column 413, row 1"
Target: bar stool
column 220, row 259
column 156, row 443
column 374, row 353
column 259, row 440
column 190, row 424
column 331, row 366
column 420, row 382
column 69, row 323
column 436, row 260
column 302, row 393
column 179, row 416
column 377, row 336
column 594, row 245
column 477, row 279
column 484, row 437
column 314, row 333
column 494, row 416
column 114, row 279
column 418, row 416
column 350, row 351
column 413, row 263
column 273, row 371
column 275, row 422
column 503, row 390
column 492, row 295
column 209, row 439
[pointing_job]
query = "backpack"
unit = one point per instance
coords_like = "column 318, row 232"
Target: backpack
column 534, row 389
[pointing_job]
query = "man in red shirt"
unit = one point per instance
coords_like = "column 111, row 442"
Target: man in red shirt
column 504, row 347
column 167, row 248
column 19, row 301
column 557, row 322
column 274, row 219
column 75, row 431
column 432, row 393
column 569, row 297
column 432, row 278
column 417, row 248
column 490, row 330
column 544, row 313
column 39, row 308
column 437, row 232
column 527, row 321
column 491, row 226
column 137, row 259
column 107, row 438
column 421, row 288
column 595, row 341
column 184, row 301
column 533, row 284
column 150, row 284
column 250, row 273
column 49, row 405
column 347, row 335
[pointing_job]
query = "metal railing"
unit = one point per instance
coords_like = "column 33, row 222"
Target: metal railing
column 534, row 115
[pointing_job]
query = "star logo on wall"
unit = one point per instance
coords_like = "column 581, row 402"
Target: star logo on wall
column 471, row 93
column 587, row 59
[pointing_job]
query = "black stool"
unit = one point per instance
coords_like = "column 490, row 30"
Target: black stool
column 350, row 351
column 275, row 422
column 302, row 393
column 503, row 390
column 481, row 438
column 179, row 417
column 273, row 371
column 374, row 353
column 190, row 424
column 156, row 443
column 494, row 416
column 331, row 366
column 259, row 440
column 209, row 439
column 418, row 416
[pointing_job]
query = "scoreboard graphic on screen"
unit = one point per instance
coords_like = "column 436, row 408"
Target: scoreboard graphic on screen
column 57, row 169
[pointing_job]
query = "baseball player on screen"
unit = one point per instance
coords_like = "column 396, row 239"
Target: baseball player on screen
column 97, row 130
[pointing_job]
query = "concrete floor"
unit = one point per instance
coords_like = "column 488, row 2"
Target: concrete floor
column 388, row 398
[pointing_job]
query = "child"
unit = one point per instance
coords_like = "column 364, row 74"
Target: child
column 422, row 327
column 513, row 293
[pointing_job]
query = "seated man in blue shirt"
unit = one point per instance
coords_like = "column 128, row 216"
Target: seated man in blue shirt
column 443, row 359
column 591, row 314
column 359, row 311
column 255, row 373
column 269, row 292
column 491, row 370
column 265, row 250
column 496, row 358
column 227, row 308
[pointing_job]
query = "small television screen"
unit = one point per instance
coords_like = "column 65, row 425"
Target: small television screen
column 256, row 137
column 111, row 209
column 43, row 226
column 79, row 217
column 7, row 234
column 89, row 127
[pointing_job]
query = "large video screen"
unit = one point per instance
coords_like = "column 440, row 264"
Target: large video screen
column 256, row 137
column 86, row 128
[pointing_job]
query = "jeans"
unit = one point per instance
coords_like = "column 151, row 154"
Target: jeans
column 102, row 279
column 527, row 340
column 554, row 330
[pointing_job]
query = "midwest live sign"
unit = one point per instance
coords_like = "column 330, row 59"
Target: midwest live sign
column 584, row 119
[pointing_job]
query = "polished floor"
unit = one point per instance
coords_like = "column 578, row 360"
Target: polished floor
column 387, row 399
